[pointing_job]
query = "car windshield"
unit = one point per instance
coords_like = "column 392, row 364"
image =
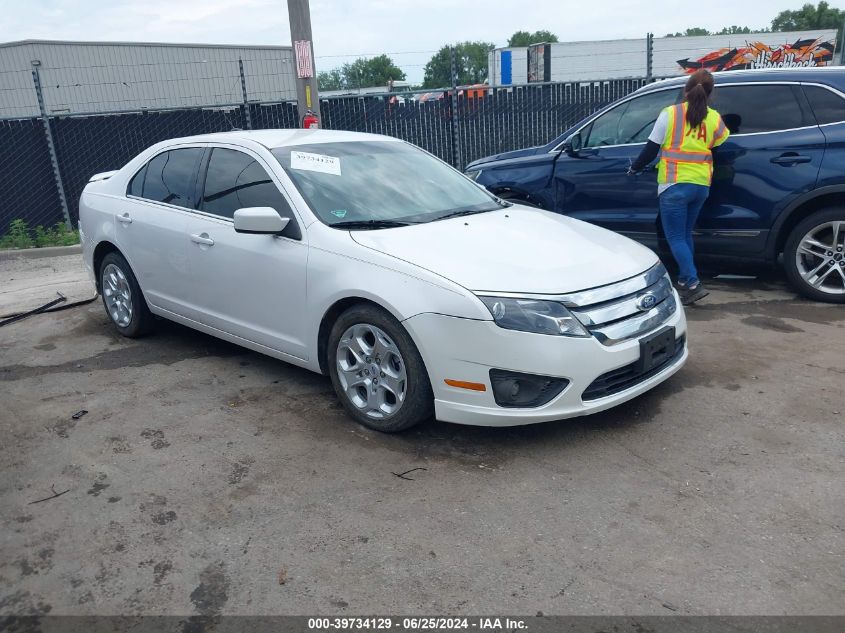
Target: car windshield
column 377, row 184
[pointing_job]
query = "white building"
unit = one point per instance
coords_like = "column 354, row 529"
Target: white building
column 84, row 77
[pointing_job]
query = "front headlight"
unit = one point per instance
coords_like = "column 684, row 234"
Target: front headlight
column 532, row 315
column 473, row 174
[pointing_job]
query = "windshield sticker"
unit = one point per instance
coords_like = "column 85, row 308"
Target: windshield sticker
column 340, row 213
column 315, row 162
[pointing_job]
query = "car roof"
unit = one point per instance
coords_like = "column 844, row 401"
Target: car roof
column 834, row 75
column 284, row 137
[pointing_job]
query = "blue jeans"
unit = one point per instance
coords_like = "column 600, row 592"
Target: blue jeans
column 680, row 205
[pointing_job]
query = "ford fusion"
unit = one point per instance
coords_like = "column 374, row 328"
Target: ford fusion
column 365, row 258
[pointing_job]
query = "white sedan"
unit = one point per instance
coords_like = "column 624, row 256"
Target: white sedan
column 365, row 258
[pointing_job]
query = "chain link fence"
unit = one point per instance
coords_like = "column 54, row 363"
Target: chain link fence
column 28, row 188
column 478, row 122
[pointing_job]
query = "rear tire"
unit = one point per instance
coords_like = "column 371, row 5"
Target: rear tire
column 377, row 371
column 814, row 256
column 122, row 297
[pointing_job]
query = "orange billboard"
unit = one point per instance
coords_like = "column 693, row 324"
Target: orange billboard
column 802, row 53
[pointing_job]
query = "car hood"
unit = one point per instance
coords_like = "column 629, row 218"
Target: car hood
column 517, row 153
column 518, row 249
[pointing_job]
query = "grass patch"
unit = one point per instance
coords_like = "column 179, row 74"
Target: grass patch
column 21, row 236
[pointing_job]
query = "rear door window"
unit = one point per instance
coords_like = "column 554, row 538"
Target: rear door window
column 759, row 108
column 170, row 177
column 828, row 106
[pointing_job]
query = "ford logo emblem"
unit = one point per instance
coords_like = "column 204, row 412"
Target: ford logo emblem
column 646, row 302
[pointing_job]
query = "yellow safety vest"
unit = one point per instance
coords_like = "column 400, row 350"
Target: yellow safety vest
column 685, row 154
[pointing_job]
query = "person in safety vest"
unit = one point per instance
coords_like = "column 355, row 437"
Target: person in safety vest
column 684, row 135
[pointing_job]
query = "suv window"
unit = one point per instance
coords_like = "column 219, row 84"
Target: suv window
column 828, row 106
column 235, row 180
column 761, row 108
column 630, row 122
column 168, row 178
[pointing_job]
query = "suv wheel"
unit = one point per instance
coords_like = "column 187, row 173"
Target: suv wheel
column 122, row 297
column 814, row 256
column 377, row 372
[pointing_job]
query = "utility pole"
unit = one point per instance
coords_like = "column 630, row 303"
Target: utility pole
column 649, row 56
column 306, row 76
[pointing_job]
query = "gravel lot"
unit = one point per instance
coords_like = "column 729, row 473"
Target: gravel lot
column 208, row 479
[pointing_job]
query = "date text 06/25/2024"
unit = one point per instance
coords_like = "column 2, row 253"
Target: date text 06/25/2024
column 375, row 623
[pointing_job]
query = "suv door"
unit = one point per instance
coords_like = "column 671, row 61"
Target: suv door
column 772, row 156
column 151, row 232
column 828, row 105
column 592, row 184
column 251, row 286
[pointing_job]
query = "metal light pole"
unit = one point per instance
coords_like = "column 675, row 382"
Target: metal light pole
column 306, row 75
column 841, row 40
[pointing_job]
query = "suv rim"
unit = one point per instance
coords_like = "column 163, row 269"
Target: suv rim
column 117, row 295
column 371, row 371
column 820, row 257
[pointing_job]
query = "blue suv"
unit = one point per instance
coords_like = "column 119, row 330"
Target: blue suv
column 778, row 182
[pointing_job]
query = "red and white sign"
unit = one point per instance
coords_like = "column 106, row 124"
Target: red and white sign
column 304, row 63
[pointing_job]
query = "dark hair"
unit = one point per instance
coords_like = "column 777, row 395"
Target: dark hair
column 696, row 94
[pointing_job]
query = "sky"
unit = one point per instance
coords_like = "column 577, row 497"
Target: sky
column 409, row 30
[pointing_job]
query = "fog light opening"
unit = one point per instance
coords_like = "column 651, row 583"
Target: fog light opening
column 514, row 389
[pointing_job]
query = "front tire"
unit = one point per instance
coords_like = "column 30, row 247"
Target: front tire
column 814, row 256
column 377, row 371
column 122, row 297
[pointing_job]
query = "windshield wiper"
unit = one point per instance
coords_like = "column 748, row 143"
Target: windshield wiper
column 460, row 212
column 369, row 224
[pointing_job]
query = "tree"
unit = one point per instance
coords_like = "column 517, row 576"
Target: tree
column 809, row 17
column 362, row 73
column 330, row 79
column 737, row 30
column 470, row 65
column 727, row 30
column 376, row 71
column 524, row 38
column 696, row 30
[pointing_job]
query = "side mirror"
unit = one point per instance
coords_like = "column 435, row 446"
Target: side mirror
column 573, row 144
column 261, row 220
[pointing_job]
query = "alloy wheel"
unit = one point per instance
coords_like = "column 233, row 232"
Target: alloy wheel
column 117, row 295
column 371, row 371
column 820, row 257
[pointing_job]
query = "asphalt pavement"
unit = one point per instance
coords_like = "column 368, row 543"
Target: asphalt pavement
column 208, row 479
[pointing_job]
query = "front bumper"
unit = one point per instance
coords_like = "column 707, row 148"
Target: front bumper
column 466, row 350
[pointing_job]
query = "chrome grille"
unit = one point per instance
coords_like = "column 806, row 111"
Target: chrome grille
column 627, row 309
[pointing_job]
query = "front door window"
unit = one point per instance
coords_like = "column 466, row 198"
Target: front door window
column 630, row 122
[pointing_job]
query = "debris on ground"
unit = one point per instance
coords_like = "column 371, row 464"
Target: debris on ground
column 53, row 496
column 18, row 317
column 402, row 475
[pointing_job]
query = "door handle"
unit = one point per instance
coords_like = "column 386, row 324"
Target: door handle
column 124, row 219
column 790, row 158
column 202, row 239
